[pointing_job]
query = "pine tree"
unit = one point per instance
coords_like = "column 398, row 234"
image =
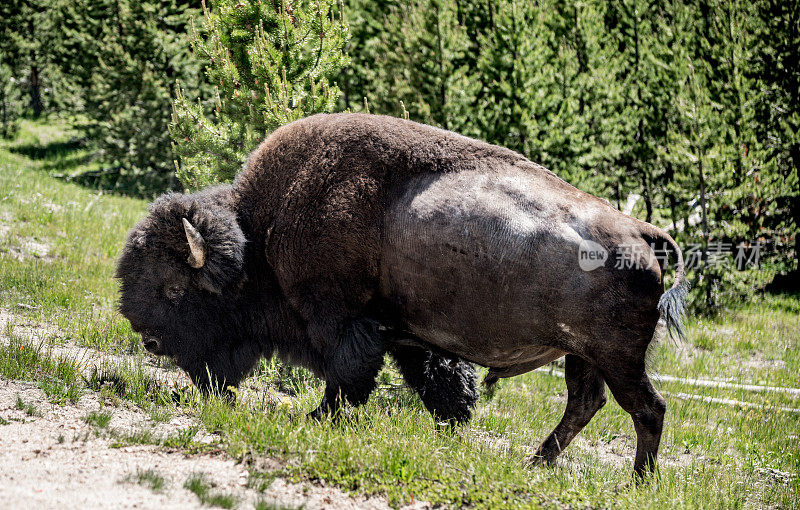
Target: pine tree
column 26, row 32
column 775, row 67
column 431, row 44
column 642, row 71
column 10, row 102
column 706, row 143
column 572, row 141
column 372, row 39
column 408, row 59
column 270, row 62
column 511, row 98
column 124, row 56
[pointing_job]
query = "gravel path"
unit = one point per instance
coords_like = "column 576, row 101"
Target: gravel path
column 53, row 458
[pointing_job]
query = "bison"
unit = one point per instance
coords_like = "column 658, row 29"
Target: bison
column 350, row 236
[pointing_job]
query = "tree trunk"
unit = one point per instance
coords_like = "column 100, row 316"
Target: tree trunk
column 35, row 90
column 35, row 82
column 672, row 213
column 640, row 168
column 648, row 202
column 794, row 151
column 346, row 87
column 442, row 78
column 6, row 130
column 702, row 181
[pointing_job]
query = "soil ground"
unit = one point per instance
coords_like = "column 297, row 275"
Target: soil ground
column 52, row 456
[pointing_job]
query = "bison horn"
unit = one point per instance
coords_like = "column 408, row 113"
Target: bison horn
column 197, row 246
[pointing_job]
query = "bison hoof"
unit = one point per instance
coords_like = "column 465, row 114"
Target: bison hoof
column 538, row 459
column 322, row 413
column 317, row 414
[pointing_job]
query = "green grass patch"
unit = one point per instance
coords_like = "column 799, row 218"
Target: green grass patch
column 712, row 455
column 183, row 439
column 131, row 382
column 29, row 409
column 60, row 391
column 149, row 478
column 59, row 378
column 99, row 419
column 199, row 485
column 266, row 505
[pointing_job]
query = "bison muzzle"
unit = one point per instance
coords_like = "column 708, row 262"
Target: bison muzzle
column 348, row 236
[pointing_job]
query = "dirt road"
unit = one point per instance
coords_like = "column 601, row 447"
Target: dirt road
column 74, row 455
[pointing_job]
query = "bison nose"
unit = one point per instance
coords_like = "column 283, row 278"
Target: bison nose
column 152, row 344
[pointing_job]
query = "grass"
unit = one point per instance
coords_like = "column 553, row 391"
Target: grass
column 29, row 409
column 183, row 439
column 266, row 505
column 99, row 419
column 21, row 360
column 149, row 478
column 712, row 455
column 60, row 392
column 199, row 485
column 131, row 382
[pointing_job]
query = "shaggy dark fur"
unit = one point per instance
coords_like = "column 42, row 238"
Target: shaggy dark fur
column 446, row 384
column 219, row 320
column 348, row 236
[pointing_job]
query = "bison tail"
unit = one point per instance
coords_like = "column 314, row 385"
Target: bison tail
column 672, row 304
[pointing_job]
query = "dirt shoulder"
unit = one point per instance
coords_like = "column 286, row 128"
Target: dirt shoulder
column 52, row 457
column 59, row 456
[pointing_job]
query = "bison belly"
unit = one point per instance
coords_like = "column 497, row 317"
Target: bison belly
column 484, row 265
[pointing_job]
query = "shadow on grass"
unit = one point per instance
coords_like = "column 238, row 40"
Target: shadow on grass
column 62, row 159
column 52, row 150
column 73, row 161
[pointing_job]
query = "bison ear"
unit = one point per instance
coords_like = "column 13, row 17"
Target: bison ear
column 197, row 245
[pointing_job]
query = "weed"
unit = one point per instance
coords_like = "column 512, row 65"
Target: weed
column 182, row 439
column 149, row 478
column 199, row 485
column 99, row 419
column 29, row 409
column 140, row 436
column 60, row 392
column 160, row 414
column 267, row 505
column 3, row 421
column 129, row 381
column 23, row 360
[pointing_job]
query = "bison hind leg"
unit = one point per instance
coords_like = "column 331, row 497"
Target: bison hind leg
column 445, row 383
column 586, row 394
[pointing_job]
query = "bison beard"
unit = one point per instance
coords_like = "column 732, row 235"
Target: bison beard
column 348, row 236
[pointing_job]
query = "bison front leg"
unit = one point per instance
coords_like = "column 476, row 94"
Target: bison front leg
column 586, row 394
column 446, row 384
column 351, row 365
column 222, row 369
column 331, row 401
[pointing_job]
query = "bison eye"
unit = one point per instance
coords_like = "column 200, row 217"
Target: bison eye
column 174, row 292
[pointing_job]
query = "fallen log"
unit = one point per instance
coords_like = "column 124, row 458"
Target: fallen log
column 707, row 383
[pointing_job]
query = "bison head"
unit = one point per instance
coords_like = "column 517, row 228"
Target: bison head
column 180, row 273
